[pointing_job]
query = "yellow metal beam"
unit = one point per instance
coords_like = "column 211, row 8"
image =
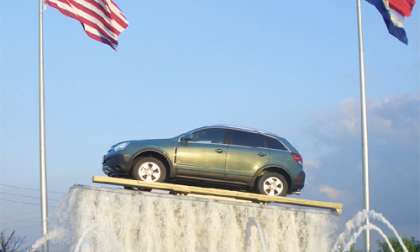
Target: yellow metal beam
column 337, row 207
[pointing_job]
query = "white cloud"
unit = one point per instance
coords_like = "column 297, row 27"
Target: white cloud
column 348, row 118
column 311, row 164
column 331, row 192
column 394, row 159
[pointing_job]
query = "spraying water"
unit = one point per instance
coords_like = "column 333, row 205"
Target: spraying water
column 55, row 234
column 355, row 227
column 252, row 222
column 100, row 219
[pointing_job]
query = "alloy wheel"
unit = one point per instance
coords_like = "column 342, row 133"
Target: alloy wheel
column 273, row 186
column 149, row 172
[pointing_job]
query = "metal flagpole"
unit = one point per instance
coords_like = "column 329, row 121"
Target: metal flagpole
column 365, row 149
column 42, row 145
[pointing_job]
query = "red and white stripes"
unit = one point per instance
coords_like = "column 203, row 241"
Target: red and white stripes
column 394, row 13
column 101, row 19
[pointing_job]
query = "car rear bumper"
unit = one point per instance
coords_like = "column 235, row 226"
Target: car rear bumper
column 299, row 182
column 116, row 165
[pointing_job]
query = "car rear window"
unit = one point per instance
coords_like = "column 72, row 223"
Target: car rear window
column 246, row 139
column 274, row 144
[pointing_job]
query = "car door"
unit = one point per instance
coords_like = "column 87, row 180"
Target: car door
column 203, row 155
column 245, row 156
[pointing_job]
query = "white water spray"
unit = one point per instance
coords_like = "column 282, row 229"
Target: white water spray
column 360, row 231
column 253, row 223
column 99, row 219
column 82, row 239
column 55, row 234
column 355, row 227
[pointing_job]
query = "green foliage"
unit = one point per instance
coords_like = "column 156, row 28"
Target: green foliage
column 411, row 244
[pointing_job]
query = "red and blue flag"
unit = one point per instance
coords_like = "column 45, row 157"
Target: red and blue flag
column 394, row 12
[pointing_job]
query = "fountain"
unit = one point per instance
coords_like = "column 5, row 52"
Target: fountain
column 355, row 227
column 109, row 219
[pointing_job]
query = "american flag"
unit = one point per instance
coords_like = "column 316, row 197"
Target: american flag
column 102, row 20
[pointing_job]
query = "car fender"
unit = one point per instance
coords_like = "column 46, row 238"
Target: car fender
column 156, row 150
column 261, row 170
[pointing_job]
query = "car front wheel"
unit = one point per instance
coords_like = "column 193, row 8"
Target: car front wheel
column 273, row 184
column 149, row 169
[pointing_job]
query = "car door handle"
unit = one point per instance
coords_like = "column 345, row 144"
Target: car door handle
column 218, row 150
column 262, row 154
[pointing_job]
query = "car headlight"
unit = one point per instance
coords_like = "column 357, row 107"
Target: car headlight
column 120, row 146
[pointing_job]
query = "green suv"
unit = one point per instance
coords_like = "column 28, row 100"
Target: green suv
column 261, row 161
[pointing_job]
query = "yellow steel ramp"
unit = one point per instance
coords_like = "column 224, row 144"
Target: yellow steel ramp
column 184, row 189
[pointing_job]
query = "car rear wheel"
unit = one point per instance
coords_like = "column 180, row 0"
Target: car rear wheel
column 273, row 184
column 149, row 169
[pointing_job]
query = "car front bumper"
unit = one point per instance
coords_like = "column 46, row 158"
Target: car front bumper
column 116, row 165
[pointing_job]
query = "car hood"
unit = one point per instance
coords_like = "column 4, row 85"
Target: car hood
column 158, row 143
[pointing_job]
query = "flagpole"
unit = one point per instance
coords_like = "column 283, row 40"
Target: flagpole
column 365, row 150
column 42, row 143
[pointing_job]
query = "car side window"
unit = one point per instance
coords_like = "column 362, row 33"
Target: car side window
column 246, row 139
column 208, row 136
column 274, row 144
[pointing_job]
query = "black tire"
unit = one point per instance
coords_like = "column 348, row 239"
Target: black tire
column 133, row 188
column 270, row 178
column 145, row 164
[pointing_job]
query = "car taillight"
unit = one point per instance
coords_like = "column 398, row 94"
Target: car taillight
column 297, row 158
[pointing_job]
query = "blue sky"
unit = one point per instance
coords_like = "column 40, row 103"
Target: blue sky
column 280, row 66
